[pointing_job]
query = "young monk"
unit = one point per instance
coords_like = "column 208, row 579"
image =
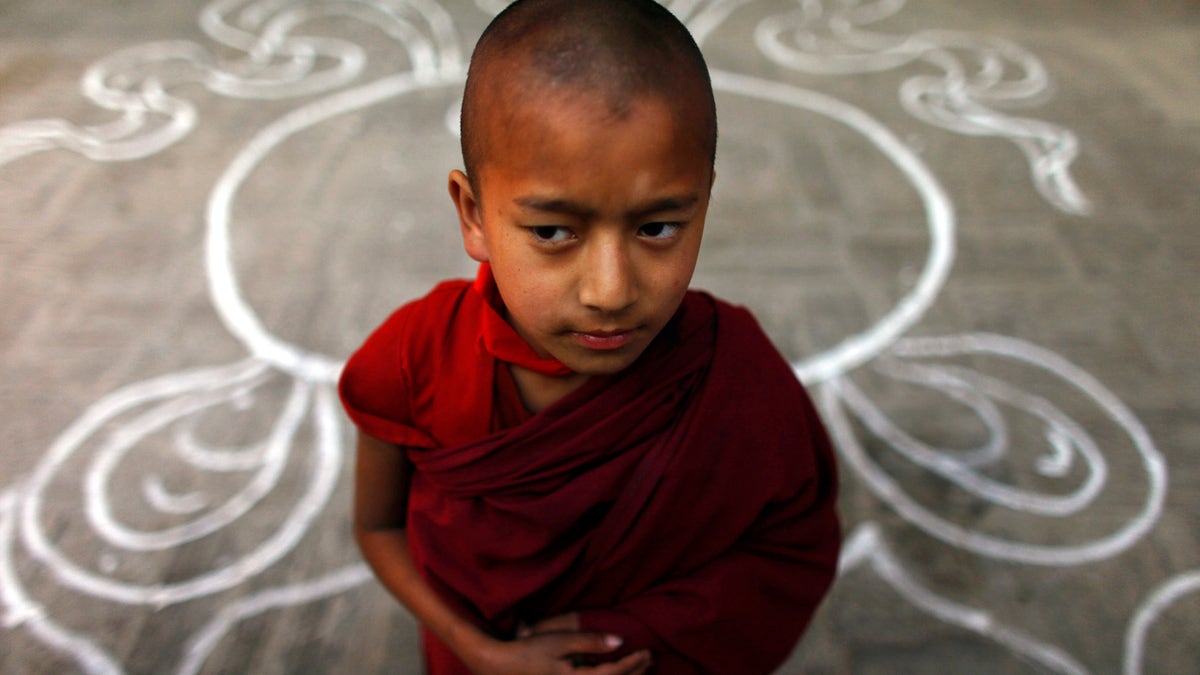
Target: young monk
column 574, row 463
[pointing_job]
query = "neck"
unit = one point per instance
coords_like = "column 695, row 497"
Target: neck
column 540, row 391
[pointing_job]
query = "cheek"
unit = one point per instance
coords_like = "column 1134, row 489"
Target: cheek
column 670, row 283
column 677, row 271
column 533, row 304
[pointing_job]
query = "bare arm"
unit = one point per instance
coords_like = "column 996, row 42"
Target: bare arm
column 382, row 478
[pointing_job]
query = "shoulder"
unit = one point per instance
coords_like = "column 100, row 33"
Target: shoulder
column 421, row 317
column 410, row 332
column 445, row 299
column 744, row 359
column 735, row 326
column 380, row 380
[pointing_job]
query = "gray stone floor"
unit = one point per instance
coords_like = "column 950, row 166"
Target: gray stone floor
column 1013, row 378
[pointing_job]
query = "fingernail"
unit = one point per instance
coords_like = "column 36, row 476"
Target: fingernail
column 612, row 641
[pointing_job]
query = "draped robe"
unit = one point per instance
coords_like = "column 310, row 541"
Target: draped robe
column 686, row 504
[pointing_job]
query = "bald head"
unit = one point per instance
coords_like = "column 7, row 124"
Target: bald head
column 615, row 51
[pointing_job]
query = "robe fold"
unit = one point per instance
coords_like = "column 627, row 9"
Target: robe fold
column 686, row 504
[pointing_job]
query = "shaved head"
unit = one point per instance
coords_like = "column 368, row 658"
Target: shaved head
column 615, row 51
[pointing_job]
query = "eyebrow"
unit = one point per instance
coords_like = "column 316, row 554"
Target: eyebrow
column 568, row 207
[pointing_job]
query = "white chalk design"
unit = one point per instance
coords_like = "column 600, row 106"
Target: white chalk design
column 1161, row 600
column 160, row 417
column 857, row 349
column 135, row 82
column 1066, row 440
column 981, row 76
column 865, row 546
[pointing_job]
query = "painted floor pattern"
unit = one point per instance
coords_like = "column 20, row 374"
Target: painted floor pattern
column 973, row 227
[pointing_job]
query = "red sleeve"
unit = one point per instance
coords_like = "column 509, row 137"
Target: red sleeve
column 374, row 386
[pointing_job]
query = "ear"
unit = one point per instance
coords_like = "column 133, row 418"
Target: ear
column 470, row 216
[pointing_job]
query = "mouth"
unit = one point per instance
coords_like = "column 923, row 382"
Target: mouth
column 604, row 340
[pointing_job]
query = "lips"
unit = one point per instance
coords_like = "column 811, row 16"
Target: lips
column 604, row 340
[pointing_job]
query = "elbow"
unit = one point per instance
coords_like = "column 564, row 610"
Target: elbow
column 369, row 537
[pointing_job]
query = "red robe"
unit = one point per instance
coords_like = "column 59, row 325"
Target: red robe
column 686, row 504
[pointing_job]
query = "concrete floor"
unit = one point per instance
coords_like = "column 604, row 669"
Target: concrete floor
column 974, row 225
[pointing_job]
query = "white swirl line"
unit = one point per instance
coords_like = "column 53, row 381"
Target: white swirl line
column 239, row 318
column 857, row 349
column 323, row 479
column 1060, row 427
column 205, row 640
column 954, row 388
column 134, row 81
column 1162, row 598
column 159, row 497
column 25, row 612
column 867, row 546
column 953, row 101
column 832, row 393
column 223, row 459
column 110, row 454
column 1059, row 461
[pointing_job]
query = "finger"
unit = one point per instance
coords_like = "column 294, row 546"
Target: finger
column 589, row 643
column 636, row 663
column 563, row 622
column 647, row 664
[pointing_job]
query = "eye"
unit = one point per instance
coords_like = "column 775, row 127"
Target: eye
column 659, row 231
column 551, row 234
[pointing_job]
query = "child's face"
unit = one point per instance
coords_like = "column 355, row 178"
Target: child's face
column 592, row 224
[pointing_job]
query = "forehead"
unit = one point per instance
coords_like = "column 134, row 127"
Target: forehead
column 527, row 123
column 585, row 125
column 574, row 150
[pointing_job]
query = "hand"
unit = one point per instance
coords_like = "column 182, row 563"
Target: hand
column 553, row 652
column 568, row 623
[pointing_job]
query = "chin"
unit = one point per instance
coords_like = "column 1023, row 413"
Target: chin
column 608, row 364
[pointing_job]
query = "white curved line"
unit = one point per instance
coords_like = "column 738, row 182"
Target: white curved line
column 21, row 610
column 890, row 570
column 159, row 497
column 966, row 103
column 954, row 388
column 954, row 469
column 322, row 481
column 217, row 459
column 866, row 546
column 858, row 546
column 203, row 641
column 277, row 65
column 856, row 349
column 1162, row 598
column 110, row 454
column 831, row 393
column 226, row 294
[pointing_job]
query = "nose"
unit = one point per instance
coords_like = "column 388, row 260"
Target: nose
column 608, row 283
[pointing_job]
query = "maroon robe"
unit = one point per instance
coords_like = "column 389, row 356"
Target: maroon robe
column 686, row 504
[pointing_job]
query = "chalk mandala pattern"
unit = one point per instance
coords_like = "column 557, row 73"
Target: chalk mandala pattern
column 979, row 77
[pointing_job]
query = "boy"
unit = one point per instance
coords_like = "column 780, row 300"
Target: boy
column 574, row 463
